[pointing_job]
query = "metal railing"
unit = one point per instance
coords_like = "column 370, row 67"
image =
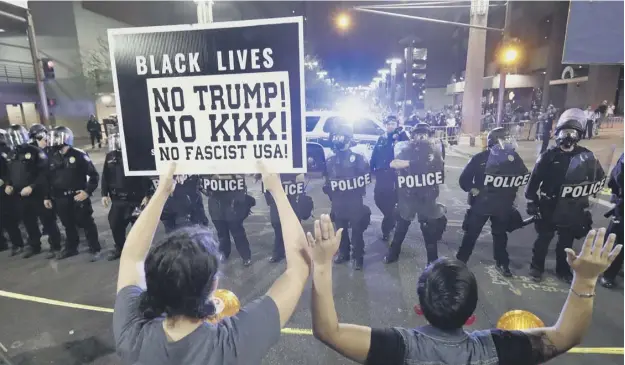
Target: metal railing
column 12, row 73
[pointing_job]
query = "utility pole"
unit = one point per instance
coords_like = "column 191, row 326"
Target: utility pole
column 503, row 67
column 204, row 11
column 41, row 89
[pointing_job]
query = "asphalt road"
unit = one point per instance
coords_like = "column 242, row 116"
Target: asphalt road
column 36, row 333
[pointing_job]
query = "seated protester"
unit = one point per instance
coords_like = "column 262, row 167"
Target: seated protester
column 163, row 322
column 448, row 295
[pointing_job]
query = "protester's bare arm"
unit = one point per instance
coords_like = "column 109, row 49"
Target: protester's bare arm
column 349, row 340
column 141, row 235
column 576, row 314
column 288, row 288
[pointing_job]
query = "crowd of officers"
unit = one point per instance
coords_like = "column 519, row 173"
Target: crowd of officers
column 44, row 176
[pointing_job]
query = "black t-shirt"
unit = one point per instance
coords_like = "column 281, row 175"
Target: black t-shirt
column 388, row 348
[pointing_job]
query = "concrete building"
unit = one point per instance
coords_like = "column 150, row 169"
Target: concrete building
column 540, row 77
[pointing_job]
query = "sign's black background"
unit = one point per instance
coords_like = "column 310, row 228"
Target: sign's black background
column 283, row 39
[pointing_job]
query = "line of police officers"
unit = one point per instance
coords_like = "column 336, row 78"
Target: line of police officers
column 408, row 171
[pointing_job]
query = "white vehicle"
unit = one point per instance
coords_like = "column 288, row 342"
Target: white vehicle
column 367, row 130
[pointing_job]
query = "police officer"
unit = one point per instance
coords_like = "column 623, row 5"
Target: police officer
column 73, row 179
column 492, row 179
column 546, row 125
column 615, row 183
column 39, row 134
column 385, row 193
column 558, row 190
column 8, row 220
column 123, row 193
column 27, row 180
column 301, row 203
column 228, row 206
column 185, row 206
column 347, row 175
column 420, row 170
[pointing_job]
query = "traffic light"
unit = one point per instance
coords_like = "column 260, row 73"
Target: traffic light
column 48, row 68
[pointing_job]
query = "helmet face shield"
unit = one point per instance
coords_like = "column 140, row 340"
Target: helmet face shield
column 506, row 143
column 340, row 141
column 567, row 137
column 58, row 139
column 17, row 137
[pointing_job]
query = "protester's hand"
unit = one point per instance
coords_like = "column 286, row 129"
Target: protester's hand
column 145, row 201
column 82, row 195
column 26, row 191
column 106, row 201
column 271, row 180
column 532, row 208
column 474, row 191
column 400, row 164
column 47, row 203
column 167, row 182
column 326, row 241
column 595, row 257
column 8, row 190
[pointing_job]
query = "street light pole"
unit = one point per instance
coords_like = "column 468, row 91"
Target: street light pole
column 503, row 68
column 41, row 89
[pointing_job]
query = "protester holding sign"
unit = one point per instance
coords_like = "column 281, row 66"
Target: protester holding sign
column 228, row 206
column 175, row 279
column 347, row 175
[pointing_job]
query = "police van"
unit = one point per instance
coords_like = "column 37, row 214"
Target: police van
column 367, row 130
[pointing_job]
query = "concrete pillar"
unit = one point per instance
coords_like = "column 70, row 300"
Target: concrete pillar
column 474, row 75
column 556, row 47
column 602, row 84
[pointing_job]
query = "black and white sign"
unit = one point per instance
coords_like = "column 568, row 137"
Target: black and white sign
column 582, row 190
column 215, row 98
column 497, row 181
column 419, row 181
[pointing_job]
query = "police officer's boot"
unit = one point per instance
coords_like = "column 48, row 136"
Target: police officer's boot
column 16, row 250
column 30, row 252
column 504, row 270
column 114, row 255
column 536, row 275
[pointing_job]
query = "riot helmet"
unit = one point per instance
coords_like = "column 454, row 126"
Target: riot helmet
column 391, row 123
column 499, row 138
column 114, row 142
column 4, row 138
column 342, row 136
column 38, row 132
column 420, row 132
column 61, row 136
column 18, row 135
column 569, row 128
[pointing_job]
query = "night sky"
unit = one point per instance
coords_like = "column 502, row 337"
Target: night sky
column 351, row 57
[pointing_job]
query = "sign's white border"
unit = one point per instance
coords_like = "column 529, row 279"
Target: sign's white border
column 218, row 25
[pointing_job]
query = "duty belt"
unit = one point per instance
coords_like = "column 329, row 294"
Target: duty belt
column 64, row 193
column 123, row 195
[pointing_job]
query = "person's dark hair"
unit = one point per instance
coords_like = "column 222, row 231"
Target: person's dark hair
column 180, row 273
column 447, row 292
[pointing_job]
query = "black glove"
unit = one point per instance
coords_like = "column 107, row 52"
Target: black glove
column 532, row 208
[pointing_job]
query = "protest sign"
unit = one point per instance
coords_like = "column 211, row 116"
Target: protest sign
column 214, row 98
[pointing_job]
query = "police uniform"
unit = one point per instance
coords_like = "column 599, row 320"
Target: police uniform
column 228, row 206
column 417, row 191
column 302, row 206
column 347, row 175
column 492, row 179
column 28, row 167
column 546, row 126
column 72, row 172
column 385, row 193
column 185, row 206
column 615, row 183
column 558, row 190
column 126, row 194
column 8, row 219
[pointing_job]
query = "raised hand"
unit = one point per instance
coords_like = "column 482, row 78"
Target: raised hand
column 595, row 257
column 167, row 182
column 324, row 244
column 271, row 180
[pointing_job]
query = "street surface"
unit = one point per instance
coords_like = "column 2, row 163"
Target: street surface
column 37, row 332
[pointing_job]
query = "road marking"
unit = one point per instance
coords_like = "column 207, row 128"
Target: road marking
column 288, row 331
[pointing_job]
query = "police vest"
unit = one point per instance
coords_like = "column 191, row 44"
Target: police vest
column 349, row 184
column 499, row 181
column 290, row 188
column 581, row 190
column 420, row 180
column 223, row 185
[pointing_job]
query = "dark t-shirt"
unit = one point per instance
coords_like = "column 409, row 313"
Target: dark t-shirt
column 242, row 339
column 388, row 348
